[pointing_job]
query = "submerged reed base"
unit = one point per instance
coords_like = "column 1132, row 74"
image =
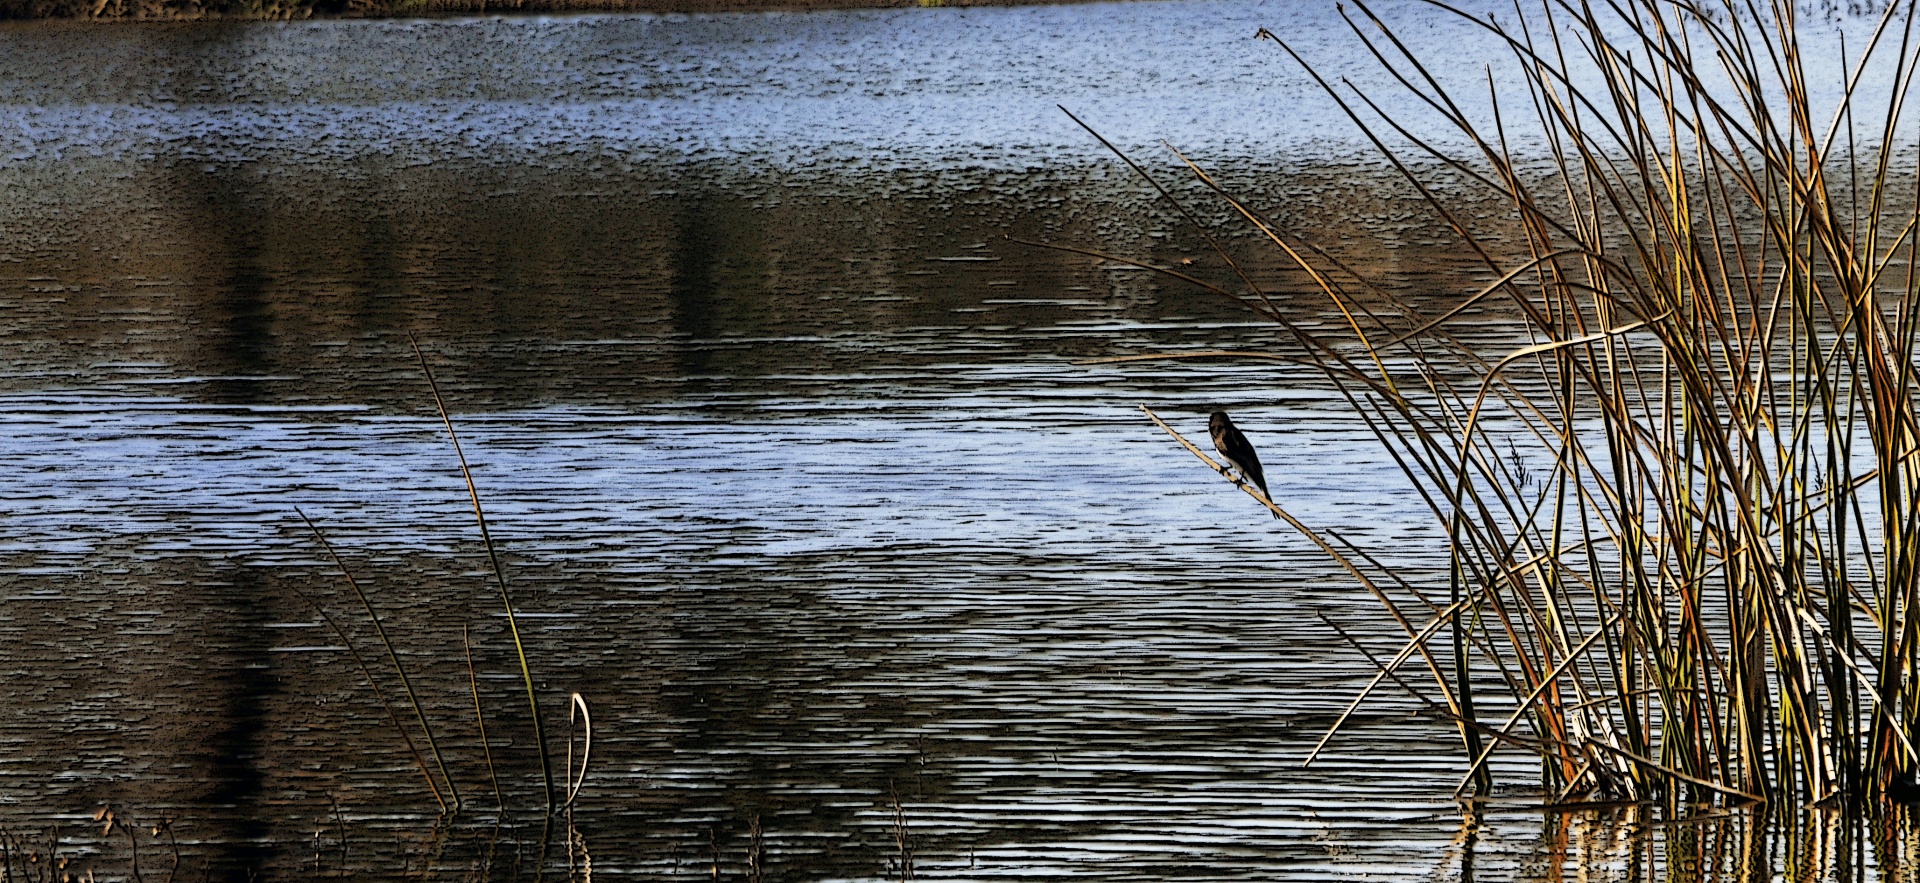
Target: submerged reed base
column 1683, row 516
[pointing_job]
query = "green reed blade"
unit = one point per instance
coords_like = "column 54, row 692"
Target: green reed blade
column 499, row 574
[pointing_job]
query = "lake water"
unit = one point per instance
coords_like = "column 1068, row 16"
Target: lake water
column 794, row 461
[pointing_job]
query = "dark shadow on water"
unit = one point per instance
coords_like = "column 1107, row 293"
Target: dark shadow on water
column 374, row 299
column 237, row 722
column 718, row 258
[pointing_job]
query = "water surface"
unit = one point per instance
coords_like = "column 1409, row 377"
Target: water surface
column 793, row 459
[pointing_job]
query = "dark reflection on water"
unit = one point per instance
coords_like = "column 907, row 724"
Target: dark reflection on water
column 241, row 309
column 790, row 455
column 713, row 252
column 236, row 725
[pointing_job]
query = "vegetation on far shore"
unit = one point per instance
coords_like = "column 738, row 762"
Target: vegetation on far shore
column 168, row 10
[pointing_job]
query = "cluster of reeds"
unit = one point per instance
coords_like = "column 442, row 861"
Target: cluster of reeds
column 1683, row 511
column 443, row 787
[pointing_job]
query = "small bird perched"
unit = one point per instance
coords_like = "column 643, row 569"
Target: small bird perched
column 1238, row 451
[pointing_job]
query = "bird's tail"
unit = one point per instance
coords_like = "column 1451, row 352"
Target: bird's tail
column 1263, row 492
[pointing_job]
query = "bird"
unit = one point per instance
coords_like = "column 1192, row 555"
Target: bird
column 1238, row 451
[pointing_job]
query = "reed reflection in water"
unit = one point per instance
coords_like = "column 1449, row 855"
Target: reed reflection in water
column 1637, row 842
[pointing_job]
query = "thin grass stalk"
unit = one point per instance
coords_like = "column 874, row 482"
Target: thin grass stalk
column 374, row 684
column 393, row 656
column 480, row 715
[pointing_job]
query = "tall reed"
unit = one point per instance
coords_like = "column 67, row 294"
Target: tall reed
column 1683, row 516
column 499, row 576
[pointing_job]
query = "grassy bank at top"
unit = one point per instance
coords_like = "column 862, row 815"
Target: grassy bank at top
column 296, row 9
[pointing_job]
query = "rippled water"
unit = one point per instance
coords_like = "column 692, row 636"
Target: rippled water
column 794, row 462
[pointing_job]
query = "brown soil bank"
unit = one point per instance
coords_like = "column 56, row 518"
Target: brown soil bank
column 296, row 9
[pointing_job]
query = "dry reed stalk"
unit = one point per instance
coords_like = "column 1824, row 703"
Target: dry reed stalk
column 578, row 703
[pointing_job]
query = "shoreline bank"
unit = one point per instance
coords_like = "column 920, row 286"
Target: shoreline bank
column 288, row 10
